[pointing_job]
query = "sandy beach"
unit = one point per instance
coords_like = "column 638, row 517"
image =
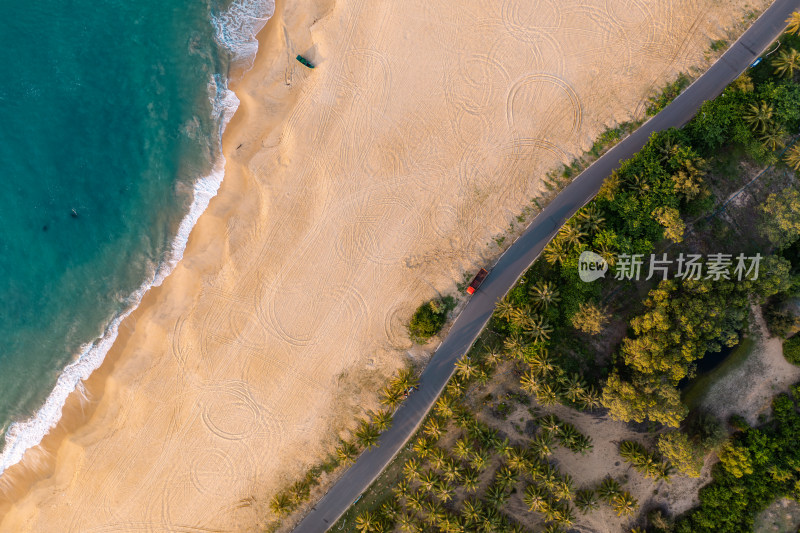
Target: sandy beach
column 353, row 192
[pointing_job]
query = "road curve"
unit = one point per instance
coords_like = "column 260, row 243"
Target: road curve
column 520, row 255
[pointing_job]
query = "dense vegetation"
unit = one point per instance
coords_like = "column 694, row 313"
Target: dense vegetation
column 757, row 466
column 429, row 318
column 791, row 350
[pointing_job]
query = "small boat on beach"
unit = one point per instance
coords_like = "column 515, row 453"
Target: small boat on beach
column 304, row 61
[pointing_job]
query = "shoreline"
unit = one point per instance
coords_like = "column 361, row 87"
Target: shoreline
column 20, row 435
column 200, row 259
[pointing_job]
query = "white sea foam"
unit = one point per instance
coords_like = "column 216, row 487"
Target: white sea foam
column 237, row 27
column 236, row 30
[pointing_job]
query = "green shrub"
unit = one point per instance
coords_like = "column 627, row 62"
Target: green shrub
column 791, row 349
column 429, row 318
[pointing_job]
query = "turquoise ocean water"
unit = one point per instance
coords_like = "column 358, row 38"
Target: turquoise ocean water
column 110, row 121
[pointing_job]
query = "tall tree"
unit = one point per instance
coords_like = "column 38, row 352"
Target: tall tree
column 792, row 157
column 793, row 23
column 759, row 116
column 786, row 62
column 643, row 398
column 678, row 449
column 590, row 318
column 773, row 138
column 544, row 294
column 781, row 223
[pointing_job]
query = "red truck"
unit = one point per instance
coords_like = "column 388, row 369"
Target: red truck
column 477, row 280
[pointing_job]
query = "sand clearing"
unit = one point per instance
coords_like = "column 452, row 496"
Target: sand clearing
column 353, row 192
column 748, row 390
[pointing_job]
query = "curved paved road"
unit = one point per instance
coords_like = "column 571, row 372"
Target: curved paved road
column 521, row 255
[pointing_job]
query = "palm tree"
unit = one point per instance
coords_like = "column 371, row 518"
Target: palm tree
column 463, row 418
column 402, row 489
column 444, row 406
column 669, row 148
column 496, row 496
column 518, row 460
column 405, row 379
column 542, row 445
column 382, row 420
column 452, row 524
column 570, row 234
column 786, row 63
column 591, row 219
column 792, row 157
column 504, row 308
column 555, row 252
column 408, row 523
column 562, row 514
column 582, row 444
column 624, row 504
column 428, row 480
column 433, row 512
column 367, row 522
column 422, row 447
column 479, row 460
column 568, row 435
column 515, row 345
column 632, row 451
column 529, row 382
column 544, row 294
column 472, row 511
column 462, row 448
column 469, row 479
column 452, row 472
column 607, row 252
column 609, row 488
column 491, row 520
column 433, row 428
column 415, row 500
column 794, row 23
column 562, row 489
column 391, row 509
column 443, row 491
column 534, row 498
column 506, row 477
column 590, row 399
column 503, row 448
column 538, row 329
column 546, row 395
column 346, row 452
column 520, row 315
column 392, row 397
column 412, row 469
column 586, row 500
column 574, row 387
column 493, row 357
column 540, row 363
column 759, row 116
column 280, row 504
column 550, row 423
column 466, row 368
column 455, row 388
column 437, row 458
column 367, row 434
